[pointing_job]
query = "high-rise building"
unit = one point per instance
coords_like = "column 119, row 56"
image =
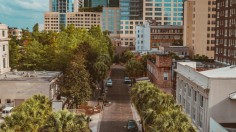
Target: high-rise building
column 4, row 49
column 166, row 12
column 78, row 19
column 111, row 21
column 225, row 48
column 131, row 9
column 201, row 24
column 95, row 3
column 131, row 16
column 65, row 12
column 63, row 6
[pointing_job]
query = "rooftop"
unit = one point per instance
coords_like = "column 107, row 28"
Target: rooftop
column 30, row 76
column 225, row 72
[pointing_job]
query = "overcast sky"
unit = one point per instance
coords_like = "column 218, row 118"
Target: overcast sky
column 22, row 13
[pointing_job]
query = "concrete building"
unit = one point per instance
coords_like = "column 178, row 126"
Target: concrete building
column 15, row 87
column 181, row 51
column 200, row 20
column 64, row 6
column 142, row 38
column 127, row 32
column 207, row 95
column 159, row 72
column 4, row 49
column 131, row 13
column 225, row 48
column 111, row 21
column 78, row 19
column 15, row 32
column 168, row 12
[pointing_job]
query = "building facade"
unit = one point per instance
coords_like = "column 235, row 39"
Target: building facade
column 64, row 6
column 203, row 15
column 180, row 51
column 85, row 20
column 143, row 38
column 111, row 21
column 159, row 72
column 4, row 49
column 225, row 48
column 17, row 86
column 15, row 32
column 165, row 35
column 95, row 3
column 204, row 95
column 165, row 12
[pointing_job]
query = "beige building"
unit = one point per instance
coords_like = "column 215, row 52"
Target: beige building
column 4, row 49
column 78, row 19
column 15, row 32
column 15, row 87
column 207, row 95
column 199, row 22
column 165, row 12
column 128, row 32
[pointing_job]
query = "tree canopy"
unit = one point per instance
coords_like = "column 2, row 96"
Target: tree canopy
column 35, row 114
column 158, row 110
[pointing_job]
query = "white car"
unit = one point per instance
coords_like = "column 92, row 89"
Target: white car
column 109, row 82
column 6, row 111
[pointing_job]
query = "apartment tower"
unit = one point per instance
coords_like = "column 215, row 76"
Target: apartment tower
column 199, row 29
column 165, row 12
column 225, row 48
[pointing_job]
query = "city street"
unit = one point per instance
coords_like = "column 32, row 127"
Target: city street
column 116, row 115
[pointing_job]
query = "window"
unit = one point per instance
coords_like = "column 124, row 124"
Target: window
column 195, row 96
column 4, row 62
column 201, row 100
column 189, row 92
column 194, row 114
column 3, row 33
column 165, row 75
column 8, row 101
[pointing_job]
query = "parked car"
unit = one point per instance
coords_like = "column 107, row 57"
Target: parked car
column 132, row 126
column 109, row 82
column 6, row 111
column 127, row 80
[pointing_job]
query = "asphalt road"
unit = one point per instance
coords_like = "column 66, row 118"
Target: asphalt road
column 116, row 115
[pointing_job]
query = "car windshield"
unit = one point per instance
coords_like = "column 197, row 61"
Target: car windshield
column 109, row 80
column 131, row 124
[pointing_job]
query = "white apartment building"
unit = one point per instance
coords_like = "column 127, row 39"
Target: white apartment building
column 199, row 29
column 78, row 19
column 4, row 49
column 165, row 12
column 206, row 95
column 128, row 30
column 143, row 38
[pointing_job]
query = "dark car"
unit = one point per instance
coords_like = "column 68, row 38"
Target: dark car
column 132, row 126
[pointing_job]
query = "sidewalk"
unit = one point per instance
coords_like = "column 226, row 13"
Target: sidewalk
column 94, row 125
column 136, row 117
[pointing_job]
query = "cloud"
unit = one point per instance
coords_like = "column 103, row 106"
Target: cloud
column 22, row 13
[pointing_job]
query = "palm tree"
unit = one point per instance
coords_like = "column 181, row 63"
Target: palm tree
column 64, row 121
column 158, row 110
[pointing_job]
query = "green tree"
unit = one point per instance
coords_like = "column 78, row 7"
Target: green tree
column 29, row 116
column 64, row 121
column 134, row 68
column 14, row 52
column 126, row 56
column 158, row 110
column 36, row 28
column 75, row 83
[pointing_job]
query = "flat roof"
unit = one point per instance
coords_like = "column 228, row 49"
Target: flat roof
column 30, row 76
column 225, row 72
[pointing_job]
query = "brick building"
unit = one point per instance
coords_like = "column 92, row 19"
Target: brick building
column 159, row 72
column 225, row 51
